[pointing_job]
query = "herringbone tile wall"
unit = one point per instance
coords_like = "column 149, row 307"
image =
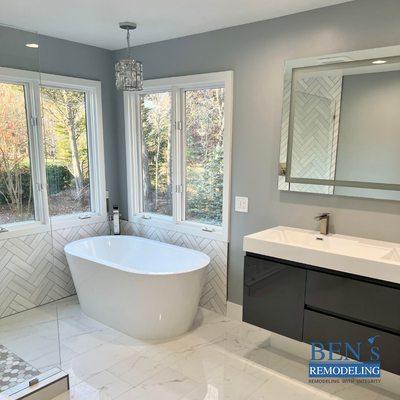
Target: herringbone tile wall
column 214, row 294
column 34, row 269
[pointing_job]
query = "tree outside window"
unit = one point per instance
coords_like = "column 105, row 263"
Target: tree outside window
column 155, row 110
column 66, row 150
column 16, row 198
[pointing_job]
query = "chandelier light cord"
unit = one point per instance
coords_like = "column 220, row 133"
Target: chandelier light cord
column 128, row 41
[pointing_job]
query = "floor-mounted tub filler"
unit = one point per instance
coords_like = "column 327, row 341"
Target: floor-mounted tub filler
column 142, row 287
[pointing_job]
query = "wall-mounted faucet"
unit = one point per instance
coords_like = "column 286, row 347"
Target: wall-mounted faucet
column 323, row 223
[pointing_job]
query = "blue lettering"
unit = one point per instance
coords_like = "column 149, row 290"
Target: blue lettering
column 317, row 348
column 335, row 347
column 375, row 354
column 352, row 352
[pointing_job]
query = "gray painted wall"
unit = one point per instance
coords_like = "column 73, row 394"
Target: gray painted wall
column 14, row 53
column 256, row 53
column 73, row 59
column 56, row 56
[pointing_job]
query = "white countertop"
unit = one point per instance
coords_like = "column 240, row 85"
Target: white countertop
column 354, row 255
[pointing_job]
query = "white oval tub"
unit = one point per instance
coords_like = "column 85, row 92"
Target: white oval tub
column 145, row 288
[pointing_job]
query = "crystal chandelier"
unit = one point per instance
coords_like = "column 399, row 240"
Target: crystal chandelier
column 128, row 72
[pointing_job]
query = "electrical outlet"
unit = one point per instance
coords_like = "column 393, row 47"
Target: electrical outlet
column 242, row 204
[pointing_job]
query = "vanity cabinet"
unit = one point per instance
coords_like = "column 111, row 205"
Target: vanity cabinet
column 313, row 304
column 274, row 296
column 358, row 300
column 319, row 327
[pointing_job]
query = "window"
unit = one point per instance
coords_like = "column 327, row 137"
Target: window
column 16, row 191
column 66, row 150
column 178, row 135
column 156, row 148
column 204, row 154
column 51, row 154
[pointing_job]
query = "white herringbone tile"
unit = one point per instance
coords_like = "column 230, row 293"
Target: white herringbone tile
column 214, row 294
column 34, row 269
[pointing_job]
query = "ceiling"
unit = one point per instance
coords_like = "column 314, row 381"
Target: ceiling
column 95, row 22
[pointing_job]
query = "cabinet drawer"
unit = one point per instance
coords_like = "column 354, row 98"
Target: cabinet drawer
column 360, row 301
column 273, row 296
column 323, row 328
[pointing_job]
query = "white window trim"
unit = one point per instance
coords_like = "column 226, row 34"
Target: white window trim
column 131, row 112
column 43, row 222
column 92, row 90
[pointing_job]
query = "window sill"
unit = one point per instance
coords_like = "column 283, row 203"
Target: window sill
column 35, row 227
column 68, row 221
column 193, row 228
column 23, row 229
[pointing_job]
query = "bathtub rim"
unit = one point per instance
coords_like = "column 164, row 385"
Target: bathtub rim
column 117, row 266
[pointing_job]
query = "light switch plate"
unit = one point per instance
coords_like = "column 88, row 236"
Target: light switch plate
column 242, row 204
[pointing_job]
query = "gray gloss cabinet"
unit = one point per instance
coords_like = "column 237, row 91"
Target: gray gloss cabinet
column 310, row 303
column 274, row 296
column 364, row 302
column 324, row 328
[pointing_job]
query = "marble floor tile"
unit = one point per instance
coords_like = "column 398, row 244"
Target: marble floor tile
column 33, row 336
column 139, row 367
column 167, row 384
column 200, row 364
column 227, row 383
column 365, row 392
column 84, row 391
column 83, row 342
column 219, row 359
column 108, row 384
column 286, row 389
column 98, row 359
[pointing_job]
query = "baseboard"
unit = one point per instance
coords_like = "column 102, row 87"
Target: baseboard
column 234, row 311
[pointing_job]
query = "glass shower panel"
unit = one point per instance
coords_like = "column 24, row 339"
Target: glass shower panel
column 30, row 280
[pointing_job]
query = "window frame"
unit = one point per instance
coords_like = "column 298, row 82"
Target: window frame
column 32, row 82
column 177, row 86
column 95, row 143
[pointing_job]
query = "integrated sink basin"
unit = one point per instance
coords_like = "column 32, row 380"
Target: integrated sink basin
column 364, row 257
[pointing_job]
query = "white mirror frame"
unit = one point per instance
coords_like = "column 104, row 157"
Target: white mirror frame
column 332, row 62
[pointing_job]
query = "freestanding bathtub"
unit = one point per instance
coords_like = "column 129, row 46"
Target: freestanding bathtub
column 145, row 288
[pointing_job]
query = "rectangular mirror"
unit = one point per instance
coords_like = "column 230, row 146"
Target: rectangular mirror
column 341, row 125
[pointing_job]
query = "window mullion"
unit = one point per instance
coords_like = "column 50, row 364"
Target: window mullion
column 183, row 153
column 133, row 153
column 139, row 196
column 90, row 127
column 95, row 154
column 176, row 164
column 38, row 162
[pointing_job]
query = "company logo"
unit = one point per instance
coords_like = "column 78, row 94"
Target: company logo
column 343, row 360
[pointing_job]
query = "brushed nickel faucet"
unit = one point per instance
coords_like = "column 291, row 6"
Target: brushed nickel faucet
column 323, row 223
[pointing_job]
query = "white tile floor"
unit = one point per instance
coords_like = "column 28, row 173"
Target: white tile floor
column 33, row 336
column 219, row 359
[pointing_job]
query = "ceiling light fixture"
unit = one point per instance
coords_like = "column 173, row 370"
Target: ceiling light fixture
column 128, row 72
column 32, row 45
column 334, row 59
column 379, row 62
